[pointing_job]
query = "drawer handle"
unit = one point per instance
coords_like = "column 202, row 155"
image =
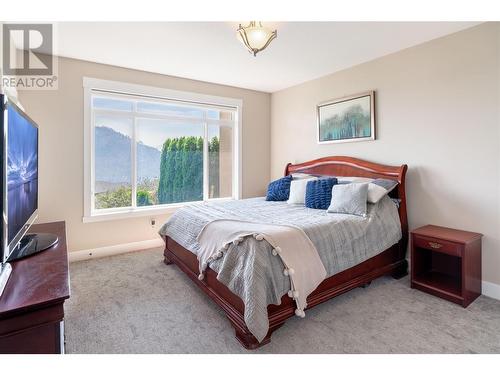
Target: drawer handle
column 435, row 245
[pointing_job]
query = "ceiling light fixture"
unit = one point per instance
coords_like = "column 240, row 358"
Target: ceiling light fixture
column 255, row 36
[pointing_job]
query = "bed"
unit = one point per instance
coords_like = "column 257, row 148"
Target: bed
column 232, row 282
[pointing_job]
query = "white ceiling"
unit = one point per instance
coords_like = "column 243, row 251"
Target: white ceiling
column 209, row 51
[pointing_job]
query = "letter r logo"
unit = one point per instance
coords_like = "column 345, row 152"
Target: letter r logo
column 27, row 49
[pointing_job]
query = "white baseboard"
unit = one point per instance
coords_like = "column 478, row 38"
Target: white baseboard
column 75, row 256
column 491, row 290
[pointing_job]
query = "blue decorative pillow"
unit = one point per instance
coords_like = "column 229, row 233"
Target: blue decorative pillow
column 279, row 190
column 319, row 193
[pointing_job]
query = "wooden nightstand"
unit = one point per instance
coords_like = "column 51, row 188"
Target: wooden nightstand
column 446, row 262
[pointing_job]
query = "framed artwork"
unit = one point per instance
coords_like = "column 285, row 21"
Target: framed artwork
column 347, row 119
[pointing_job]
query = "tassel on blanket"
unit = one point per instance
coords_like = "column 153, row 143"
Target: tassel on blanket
column 237, row 241
column 288, row 271
column 277, row 250
column 293, row 294
column 300, row 313
column 258, row 237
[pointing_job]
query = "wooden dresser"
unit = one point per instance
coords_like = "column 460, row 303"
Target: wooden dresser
column 32, row 304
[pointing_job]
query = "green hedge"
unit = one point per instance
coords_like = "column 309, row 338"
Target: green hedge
column 181, row 176
column 181, row 169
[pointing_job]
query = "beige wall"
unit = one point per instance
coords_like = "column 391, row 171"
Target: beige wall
column 437, row 110
column 60, row 117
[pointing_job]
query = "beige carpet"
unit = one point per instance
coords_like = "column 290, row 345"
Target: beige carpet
column 134, row 303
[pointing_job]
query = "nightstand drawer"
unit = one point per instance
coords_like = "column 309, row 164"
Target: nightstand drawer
column 438, row 245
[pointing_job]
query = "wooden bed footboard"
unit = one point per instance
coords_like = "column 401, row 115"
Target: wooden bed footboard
column 392, row 261
column 385, row 263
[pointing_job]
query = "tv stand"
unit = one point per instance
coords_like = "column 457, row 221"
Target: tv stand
column 32, row 303
column 33, row 243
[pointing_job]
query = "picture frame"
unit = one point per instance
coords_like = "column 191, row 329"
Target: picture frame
column 347, row 119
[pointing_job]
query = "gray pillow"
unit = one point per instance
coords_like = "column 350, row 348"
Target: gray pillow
column 349, row 199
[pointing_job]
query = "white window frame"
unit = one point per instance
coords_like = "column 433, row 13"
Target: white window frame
column 150, row 92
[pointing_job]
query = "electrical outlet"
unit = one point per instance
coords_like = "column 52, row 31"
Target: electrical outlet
column 152, row 221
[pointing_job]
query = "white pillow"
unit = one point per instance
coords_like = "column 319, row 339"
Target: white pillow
column 377, row 188
column 300, row 175
column 298, row 190
column 375, row 193
column 354, row 179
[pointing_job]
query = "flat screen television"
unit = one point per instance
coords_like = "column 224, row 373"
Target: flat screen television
column 20, row 164
column 19, row 186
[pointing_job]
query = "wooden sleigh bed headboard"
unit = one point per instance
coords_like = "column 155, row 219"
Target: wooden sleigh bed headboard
column 346, row 166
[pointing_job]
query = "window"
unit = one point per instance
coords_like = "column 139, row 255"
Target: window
column 153, row 149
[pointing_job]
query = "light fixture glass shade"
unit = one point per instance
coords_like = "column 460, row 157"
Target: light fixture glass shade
column 255, row 36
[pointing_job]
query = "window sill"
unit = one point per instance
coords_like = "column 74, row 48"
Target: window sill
column 140, row 212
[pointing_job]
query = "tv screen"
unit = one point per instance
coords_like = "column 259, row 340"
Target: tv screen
column 22, row 174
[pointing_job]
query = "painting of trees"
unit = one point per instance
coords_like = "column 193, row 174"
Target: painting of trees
column 346, row 120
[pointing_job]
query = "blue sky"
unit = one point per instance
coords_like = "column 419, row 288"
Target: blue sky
column 152, row 132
